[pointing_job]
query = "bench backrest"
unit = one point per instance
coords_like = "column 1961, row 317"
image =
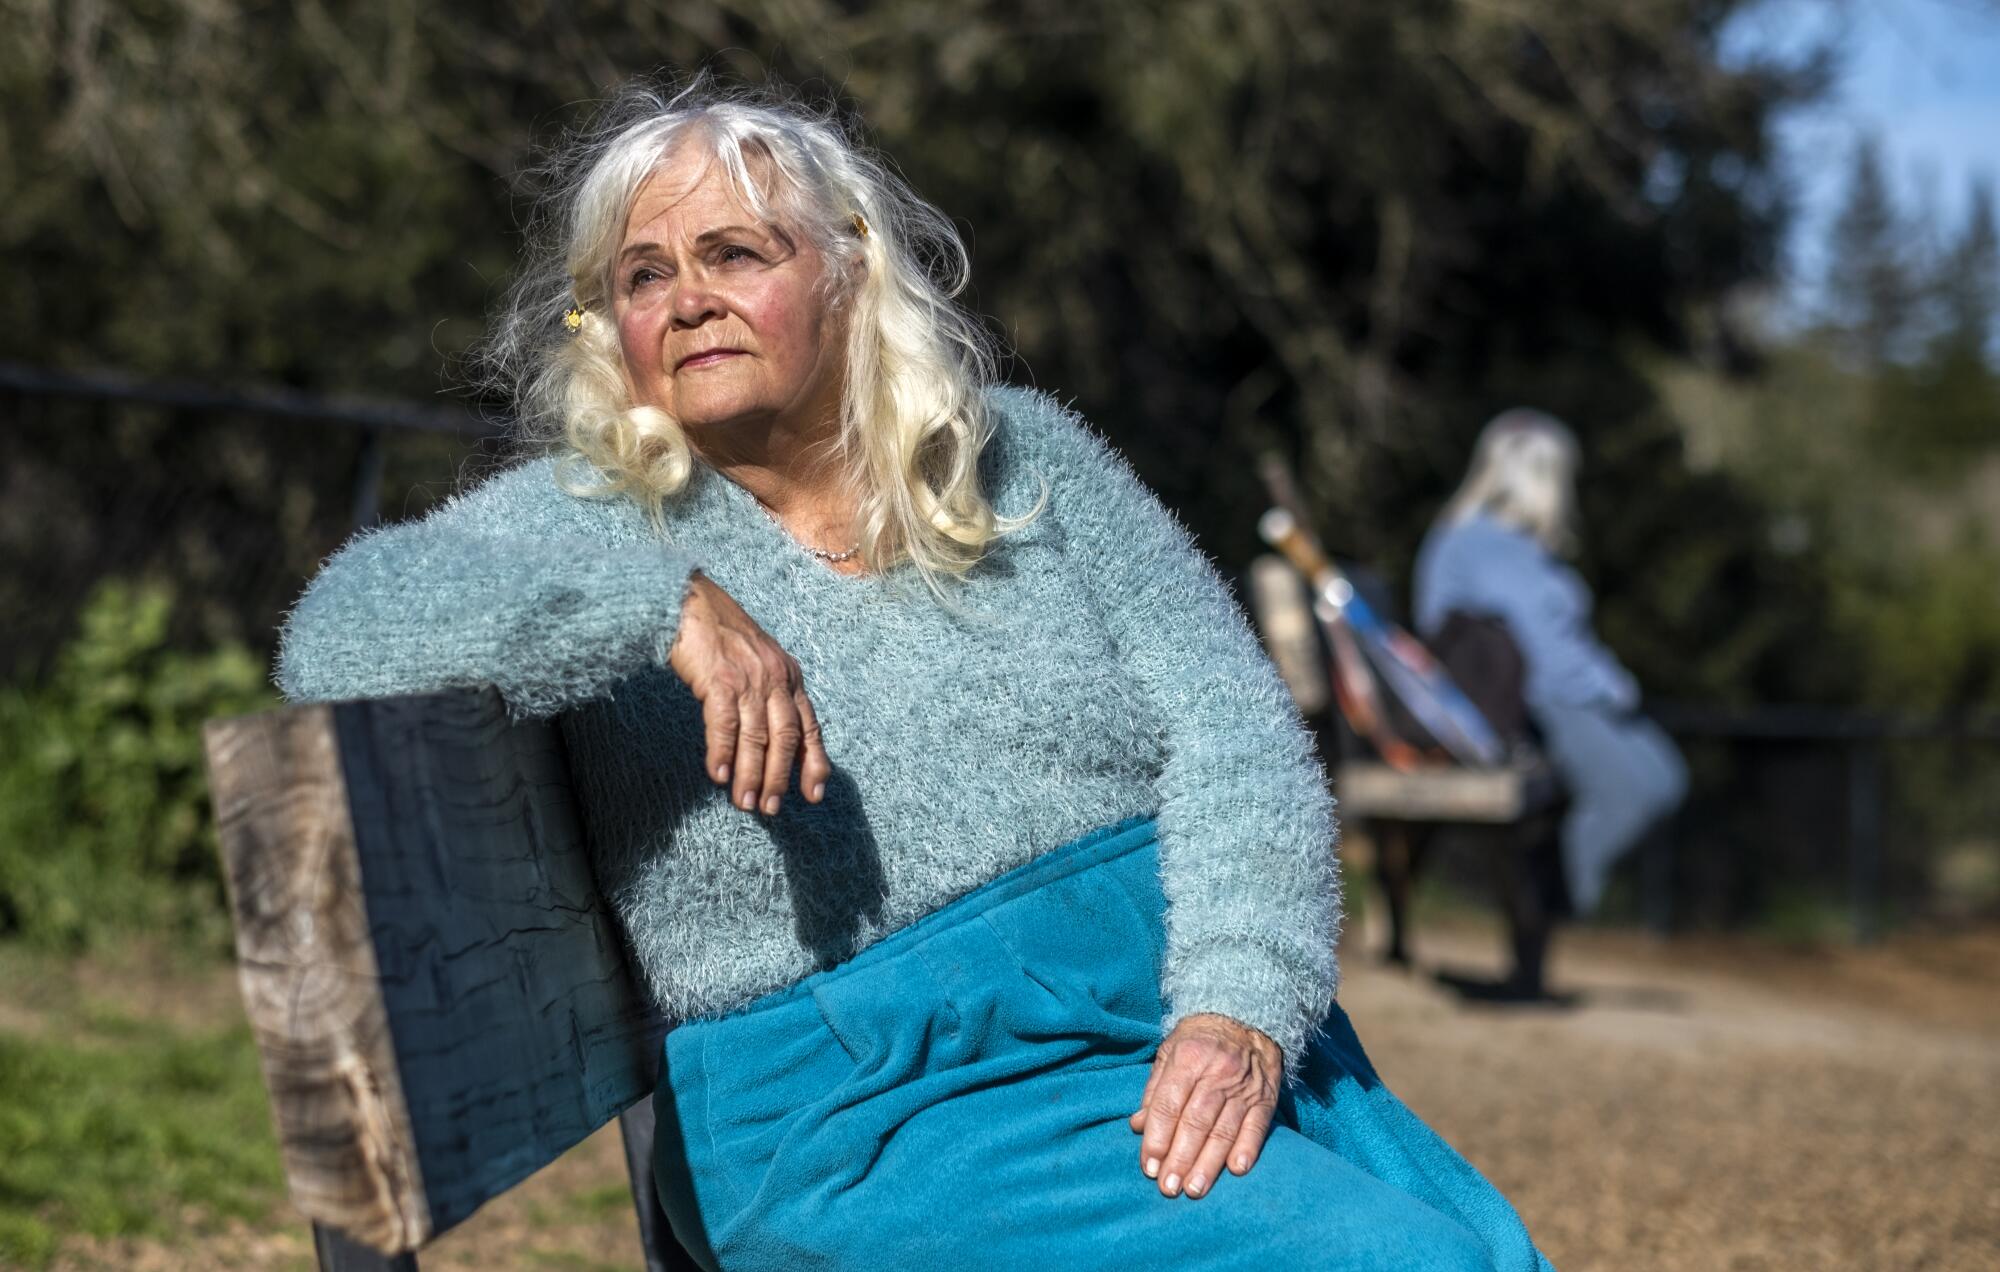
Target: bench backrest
column 439, row 993
column 1479, row 652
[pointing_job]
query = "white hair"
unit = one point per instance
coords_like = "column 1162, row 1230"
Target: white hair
column 1523, row 475
column 912, row 418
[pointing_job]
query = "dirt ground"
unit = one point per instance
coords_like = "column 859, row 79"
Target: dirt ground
column 1718, row 1104
column 1704, row 1104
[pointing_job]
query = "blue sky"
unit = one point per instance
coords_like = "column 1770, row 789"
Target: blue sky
column 1922, row 75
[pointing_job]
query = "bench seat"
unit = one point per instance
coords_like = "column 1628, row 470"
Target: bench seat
column 1483, row 796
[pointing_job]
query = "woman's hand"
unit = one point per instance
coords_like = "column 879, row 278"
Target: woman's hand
column 1209, row 1102
column 754, row 708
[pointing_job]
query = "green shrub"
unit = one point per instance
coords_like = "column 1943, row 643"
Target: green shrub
column 104, row 822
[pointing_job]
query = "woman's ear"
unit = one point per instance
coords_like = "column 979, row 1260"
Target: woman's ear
column 843, row 281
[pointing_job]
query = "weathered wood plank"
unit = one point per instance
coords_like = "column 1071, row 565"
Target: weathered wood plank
column 1278, row 599
column 309, row 977
column 1496, row 795
column 439, row 991
column 517, row 1025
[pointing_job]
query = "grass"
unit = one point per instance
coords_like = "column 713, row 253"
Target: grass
column 116, row 1120
column 135, row 1133
column 592, row 1204
column 1798, row 918
column 571, row 1262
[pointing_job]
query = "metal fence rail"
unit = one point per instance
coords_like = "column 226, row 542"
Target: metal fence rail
column 228, row 496
column 267, row 402
column 374, row 418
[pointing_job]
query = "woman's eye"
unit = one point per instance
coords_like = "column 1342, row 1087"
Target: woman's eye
column 644, row 275
column 735, row 253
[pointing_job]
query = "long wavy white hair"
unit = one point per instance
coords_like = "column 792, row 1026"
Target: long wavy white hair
column 912, row 418
column 1523, row 475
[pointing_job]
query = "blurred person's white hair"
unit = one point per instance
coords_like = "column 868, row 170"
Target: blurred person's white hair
column 913, row 421
column 1523, row 475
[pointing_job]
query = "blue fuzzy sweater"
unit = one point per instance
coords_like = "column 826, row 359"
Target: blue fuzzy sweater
column 1097, row 669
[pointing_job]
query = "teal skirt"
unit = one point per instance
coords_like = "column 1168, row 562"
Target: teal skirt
column 956, row 1097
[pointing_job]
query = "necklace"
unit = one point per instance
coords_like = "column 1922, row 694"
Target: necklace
column 845, row 554
column 824, row 554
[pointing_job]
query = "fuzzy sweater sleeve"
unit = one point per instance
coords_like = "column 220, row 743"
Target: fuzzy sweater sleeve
column 1246, row 821
column 504, row 585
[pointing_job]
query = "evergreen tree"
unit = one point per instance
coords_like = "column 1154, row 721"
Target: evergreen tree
column 1870, row 296
column 1968, row 285
column 1943, row 411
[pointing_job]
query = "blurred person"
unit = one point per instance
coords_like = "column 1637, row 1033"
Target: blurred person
column 1072, row 878
column 1496, row 551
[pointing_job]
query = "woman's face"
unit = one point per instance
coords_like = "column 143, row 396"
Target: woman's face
column 721, row 320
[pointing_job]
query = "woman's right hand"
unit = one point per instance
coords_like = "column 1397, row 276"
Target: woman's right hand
column 754, row 708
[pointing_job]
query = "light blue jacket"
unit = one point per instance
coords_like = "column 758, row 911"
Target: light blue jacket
column 1483, row 567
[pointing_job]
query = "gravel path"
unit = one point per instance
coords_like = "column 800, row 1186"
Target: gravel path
column 1717, row 1105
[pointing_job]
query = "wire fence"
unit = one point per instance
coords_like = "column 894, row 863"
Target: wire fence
column 1805, row 818
column 231, row 499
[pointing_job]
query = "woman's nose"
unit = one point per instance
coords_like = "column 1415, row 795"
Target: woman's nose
column 695, row 302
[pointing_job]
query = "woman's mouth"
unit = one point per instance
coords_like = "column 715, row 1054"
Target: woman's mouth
column 706, row 358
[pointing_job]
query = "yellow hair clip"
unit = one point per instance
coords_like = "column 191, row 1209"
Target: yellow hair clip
column 860, row 225
column 573, row 319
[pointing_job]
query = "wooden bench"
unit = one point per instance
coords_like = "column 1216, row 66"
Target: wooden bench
column 1514, row 807
column 1401, row 810
column 440, row 996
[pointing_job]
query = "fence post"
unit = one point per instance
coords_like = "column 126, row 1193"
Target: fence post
column 368, row 480
column 1658, row 853
column 1864, row 833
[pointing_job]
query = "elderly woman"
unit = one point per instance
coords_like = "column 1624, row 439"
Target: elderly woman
column 1496, row 552
column 1038, row 945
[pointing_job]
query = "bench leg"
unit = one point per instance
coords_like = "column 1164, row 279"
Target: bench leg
column 656, row 1236
column 1526, row 894
column 1395, row 865
column 337, row 1253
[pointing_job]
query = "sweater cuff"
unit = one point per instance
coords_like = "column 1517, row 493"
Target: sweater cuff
column 681, row 572
column 1247, row 983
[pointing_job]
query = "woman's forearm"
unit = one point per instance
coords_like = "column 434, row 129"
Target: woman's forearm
column 475, row 595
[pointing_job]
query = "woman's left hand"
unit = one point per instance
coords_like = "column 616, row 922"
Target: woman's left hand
column 1209, row 1102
